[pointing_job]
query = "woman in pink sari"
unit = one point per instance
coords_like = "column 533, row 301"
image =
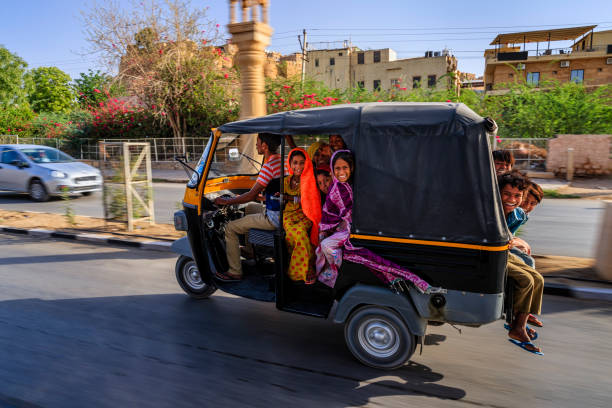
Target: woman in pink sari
column 335, row 229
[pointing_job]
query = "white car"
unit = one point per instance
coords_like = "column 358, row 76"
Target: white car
column 43, row 171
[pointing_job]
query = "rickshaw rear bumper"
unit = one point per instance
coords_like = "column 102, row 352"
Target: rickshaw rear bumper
column 457, row 307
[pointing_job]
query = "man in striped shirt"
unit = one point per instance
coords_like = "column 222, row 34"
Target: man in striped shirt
column 267, row 182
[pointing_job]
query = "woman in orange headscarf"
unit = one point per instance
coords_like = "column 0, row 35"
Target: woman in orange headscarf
column 301, row 215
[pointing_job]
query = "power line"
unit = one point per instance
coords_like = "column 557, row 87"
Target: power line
column 456, row 28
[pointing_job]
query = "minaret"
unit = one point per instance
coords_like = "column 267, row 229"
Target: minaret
column 251, row 36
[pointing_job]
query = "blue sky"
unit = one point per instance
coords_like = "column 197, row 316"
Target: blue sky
column 49, row 33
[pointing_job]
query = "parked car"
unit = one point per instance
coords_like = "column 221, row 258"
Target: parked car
column 43, row 171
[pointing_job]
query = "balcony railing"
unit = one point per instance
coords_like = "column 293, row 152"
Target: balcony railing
column 559, row 52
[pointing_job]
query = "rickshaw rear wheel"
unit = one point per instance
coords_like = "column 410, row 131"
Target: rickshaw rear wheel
column 189, row 278
column 379, row 338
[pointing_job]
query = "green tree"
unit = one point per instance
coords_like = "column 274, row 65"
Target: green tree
column 167, row 61
column 94, row 87
column 551, row 108
column 50, row 90
column 12, row 70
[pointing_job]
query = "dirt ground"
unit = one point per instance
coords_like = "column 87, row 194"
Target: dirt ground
column 598, row 188
column 143, row 231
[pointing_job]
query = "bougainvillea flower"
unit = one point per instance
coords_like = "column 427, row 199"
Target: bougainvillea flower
column 226, row 76
column 96, row 90
column 277, row 93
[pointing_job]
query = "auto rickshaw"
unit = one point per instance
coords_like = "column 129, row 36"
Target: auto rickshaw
column 425, row 197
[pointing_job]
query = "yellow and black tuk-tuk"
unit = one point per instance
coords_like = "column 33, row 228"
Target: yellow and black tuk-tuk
column 425, row 197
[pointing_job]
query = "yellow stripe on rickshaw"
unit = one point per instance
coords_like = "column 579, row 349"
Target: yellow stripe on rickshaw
column 433, row 243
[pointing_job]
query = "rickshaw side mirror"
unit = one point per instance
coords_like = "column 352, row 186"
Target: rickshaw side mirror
column 233, row 154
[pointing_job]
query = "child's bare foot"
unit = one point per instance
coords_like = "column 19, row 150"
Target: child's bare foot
column 531, row 319
column 521, row 336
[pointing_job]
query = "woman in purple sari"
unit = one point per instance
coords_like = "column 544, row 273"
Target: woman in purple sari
column 335, row 229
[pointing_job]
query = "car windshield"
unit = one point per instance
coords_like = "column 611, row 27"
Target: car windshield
column 232, row 158
column 46, row 155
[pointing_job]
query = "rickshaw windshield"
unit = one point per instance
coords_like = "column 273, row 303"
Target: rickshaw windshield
column 231, row 158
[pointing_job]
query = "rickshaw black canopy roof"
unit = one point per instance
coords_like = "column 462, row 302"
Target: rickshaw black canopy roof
column 423, row 171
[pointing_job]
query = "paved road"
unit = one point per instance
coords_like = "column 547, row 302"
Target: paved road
column 557, row 227
column 567, row 227
column 166, row 196
column 85, row 325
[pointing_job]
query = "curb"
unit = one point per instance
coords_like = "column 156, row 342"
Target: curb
column 163, row 246
column 579, row 292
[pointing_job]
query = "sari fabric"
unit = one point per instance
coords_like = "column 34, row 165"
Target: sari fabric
column 335, row 245
column 300, row 221
column 297, row 226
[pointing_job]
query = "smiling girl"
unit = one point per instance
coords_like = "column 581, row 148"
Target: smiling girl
column 301, row 216
column 335, row 230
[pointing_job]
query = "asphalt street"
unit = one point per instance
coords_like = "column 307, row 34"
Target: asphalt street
column 567, row 227
column 84, row 325
column 167, row 197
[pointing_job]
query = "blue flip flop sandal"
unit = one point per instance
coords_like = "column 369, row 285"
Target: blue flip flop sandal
column 529, row 332
column 524, row 344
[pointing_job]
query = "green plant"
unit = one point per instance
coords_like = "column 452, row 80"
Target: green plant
column 69, row 213
column 556, row 194
column 49, row 90
column 12, row 86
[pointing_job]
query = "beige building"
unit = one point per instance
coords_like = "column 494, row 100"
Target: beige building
column 588, row 60
column 380, row 69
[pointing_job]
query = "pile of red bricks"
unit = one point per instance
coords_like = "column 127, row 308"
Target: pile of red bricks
column 591, row 154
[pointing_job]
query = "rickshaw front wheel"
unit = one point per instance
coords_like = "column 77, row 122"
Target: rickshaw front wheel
column 190, row 280
column 379, row 338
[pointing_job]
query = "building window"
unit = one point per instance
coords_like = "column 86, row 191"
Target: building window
column 431, row 81
column 511, row 75
column 395, row 83
column 316, row 62
column 332, row 61
column 376, row 56
column 416, row 82
column 339, row 54
column 360, row 57
column 376, row 84
column 533, row 78
column 577, row 76
column 361, row 84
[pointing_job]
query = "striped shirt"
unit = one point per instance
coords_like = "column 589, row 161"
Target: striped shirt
column 270, row 170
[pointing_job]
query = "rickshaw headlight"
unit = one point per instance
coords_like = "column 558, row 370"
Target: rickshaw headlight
column 180, row 221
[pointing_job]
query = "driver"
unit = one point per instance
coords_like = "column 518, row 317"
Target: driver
column 267, row 182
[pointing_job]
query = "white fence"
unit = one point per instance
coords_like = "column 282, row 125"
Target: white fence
column 529, row 153
column 162, row 148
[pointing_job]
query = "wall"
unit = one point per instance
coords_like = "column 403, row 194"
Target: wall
column 346, row 72
column 596, row 71
column 591, row 154
column 404, row 70
column 333, row 76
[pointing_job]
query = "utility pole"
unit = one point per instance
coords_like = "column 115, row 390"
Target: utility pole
column 303, row 44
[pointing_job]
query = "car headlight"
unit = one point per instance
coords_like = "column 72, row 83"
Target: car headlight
column 58, row 174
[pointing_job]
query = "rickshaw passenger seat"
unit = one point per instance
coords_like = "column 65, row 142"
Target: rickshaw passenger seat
column 261, row 237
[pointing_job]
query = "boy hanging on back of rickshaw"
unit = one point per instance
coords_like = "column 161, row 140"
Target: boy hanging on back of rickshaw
column 528, row 283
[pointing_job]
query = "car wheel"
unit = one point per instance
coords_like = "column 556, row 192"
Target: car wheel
column 189, row 278
column 379, row 338
column 37, row 191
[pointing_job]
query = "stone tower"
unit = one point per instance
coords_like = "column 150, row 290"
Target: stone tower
column 251, row 35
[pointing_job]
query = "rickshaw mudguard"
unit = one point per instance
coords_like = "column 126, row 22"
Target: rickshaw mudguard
column 363, row 295
column 181, row 247
column 195, row 243
column 459, row 307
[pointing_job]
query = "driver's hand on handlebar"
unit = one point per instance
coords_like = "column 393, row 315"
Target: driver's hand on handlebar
column 221, row 201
